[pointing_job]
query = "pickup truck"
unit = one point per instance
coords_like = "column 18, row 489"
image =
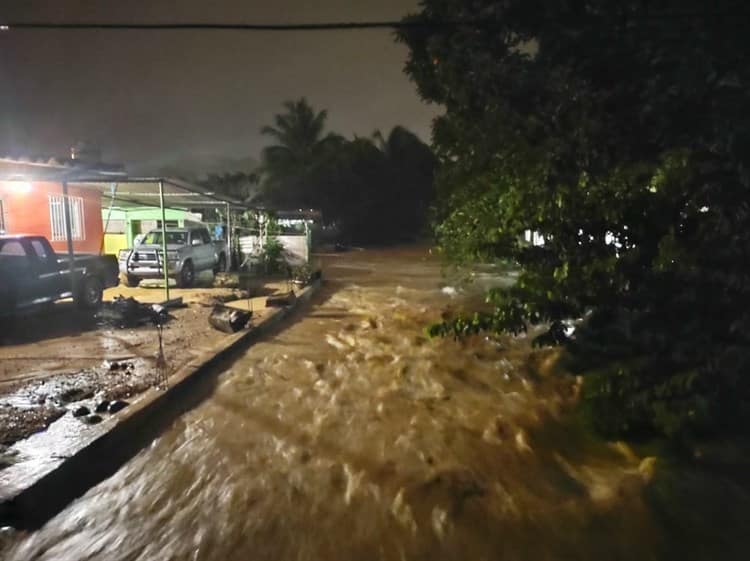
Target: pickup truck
column 189, row 251
column 31, row 274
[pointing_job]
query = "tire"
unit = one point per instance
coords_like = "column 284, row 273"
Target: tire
column 132, row 281
column 221, row 266
column 186, row 277
column 90, row 293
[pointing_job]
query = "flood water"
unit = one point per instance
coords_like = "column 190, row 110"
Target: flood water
column 350, row 435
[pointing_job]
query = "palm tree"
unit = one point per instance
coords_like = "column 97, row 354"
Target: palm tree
column 412, row 165
column 241, row 185
column 401, row 144
column 300, row 145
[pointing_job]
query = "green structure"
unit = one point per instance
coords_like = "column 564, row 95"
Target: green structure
column 123, row 224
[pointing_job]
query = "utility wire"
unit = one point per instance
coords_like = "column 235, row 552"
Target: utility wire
column 327, row 26
column 246, row 26
column 352, row 25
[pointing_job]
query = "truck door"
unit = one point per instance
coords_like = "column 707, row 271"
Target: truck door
column 53, row 279
column 195, row 253
column 200, row 249
column 209, row 251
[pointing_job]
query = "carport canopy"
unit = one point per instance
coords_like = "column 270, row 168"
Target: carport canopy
column 130, row 192
column 117, row 188
column 162, row 192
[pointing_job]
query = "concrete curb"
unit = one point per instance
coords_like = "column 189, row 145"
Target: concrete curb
column 133, row 429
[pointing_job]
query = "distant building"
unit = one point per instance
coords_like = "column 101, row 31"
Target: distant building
column 108, row 209
column 32, row 202
column 293, row 230
column 123, row 224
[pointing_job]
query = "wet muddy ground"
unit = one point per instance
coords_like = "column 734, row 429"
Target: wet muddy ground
column 62, row 360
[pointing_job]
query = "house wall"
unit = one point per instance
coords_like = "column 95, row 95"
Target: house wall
column 297, row 251
column 125, row 223
column 296, row 248
column 113, row 243
column 26, row 209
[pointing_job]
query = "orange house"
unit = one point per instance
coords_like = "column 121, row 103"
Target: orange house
column 37, row 207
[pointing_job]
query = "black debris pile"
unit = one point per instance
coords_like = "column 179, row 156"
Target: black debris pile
column 120, row 366
column 117, row 405
column 125, row 313
column 92, row 419
column 81, row 411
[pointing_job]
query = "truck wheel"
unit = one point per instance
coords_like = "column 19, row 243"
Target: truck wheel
column 221, row 266
column 132, row 281
column 187, row 275
column 90, row 293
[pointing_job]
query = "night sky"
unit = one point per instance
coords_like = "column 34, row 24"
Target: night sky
column 192, row 98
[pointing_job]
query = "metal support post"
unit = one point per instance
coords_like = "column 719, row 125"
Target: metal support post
column 69, row 238
column 229, row 239
column 165, row 259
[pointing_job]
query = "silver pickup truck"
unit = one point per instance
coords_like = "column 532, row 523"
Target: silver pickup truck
column 189, row 251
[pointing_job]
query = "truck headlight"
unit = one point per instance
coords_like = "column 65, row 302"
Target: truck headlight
column 173, row 255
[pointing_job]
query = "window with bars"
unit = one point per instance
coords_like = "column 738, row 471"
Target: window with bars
column 57, row 217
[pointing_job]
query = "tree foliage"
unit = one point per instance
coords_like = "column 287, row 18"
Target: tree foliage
column 617, row 130
column 240, row 185
column 374, row 190
column 301, row 146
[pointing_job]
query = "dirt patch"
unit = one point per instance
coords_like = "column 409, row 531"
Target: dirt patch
column 63, row 360
column 33, row 406
column 17, row 422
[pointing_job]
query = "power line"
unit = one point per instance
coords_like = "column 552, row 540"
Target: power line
column 244, row 26
column 328, row 26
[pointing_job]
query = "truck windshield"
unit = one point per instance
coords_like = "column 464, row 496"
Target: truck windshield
column 173, row 238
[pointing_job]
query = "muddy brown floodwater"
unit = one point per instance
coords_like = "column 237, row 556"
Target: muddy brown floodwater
column 352, row 436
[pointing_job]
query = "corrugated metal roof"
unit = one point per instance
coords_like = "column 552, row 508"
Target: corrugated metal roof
column 144, row 191
column 43, row 169
column 114, row 183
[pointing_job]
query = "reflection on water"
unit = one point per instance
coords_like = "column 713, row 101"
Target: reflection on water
column 352, row 436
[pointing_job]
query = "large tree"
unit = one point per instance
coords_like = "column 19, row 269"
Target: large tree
column 301, row 144
column 240, row 185
column 374, row 190
column 412, row 166
column 618, row 130
column 379, row 189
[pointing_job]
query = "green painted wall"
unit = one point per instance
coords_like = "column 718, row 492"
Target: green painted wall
column 126, row 223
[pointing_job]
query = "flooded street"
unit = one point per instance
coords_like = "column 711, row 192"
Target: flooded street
column 350, row 435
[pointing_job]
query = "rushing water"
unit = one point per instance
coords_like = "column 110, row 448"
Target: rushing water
column 352, row 436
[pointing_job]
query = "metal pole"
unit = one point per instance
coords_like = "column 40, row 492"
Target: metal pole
column 228, row 265
column 69, row 238
column 165, row 260
column 113, row 187
column 308, row 241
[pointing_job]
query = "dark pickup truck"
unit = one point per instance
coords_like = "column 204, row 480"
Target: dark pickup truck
column 31, row 273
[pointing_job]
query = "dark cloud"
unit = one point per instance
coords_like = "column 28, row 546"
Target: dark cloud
column 151, row 98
